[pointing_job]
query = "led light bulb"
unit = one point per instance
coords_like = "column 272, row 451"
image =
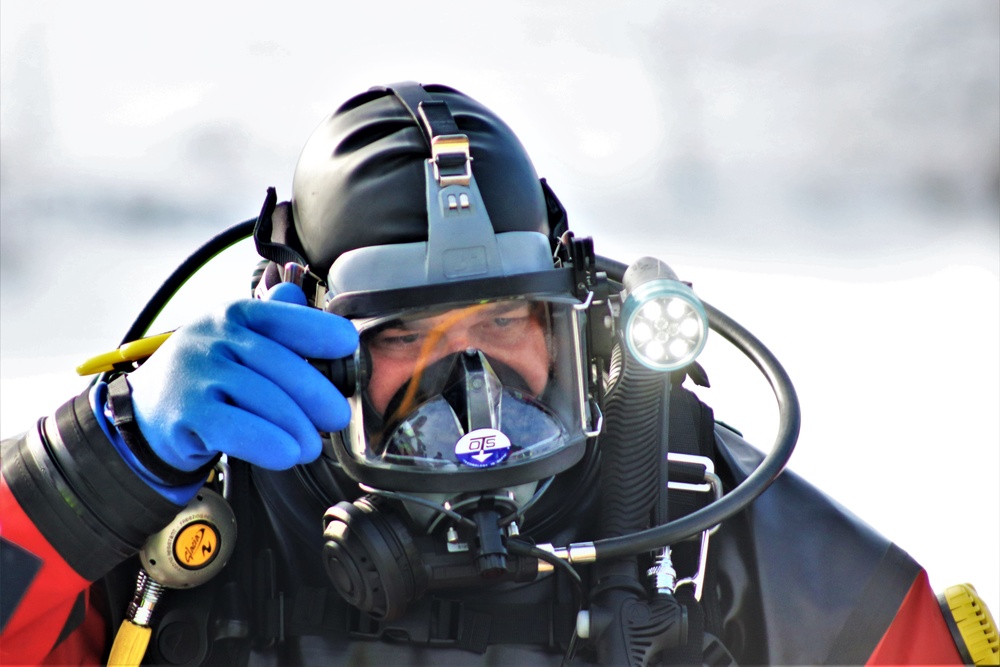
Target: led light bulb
column 642, row 332
column 651, row 310
column 679, row 348
column 690, row 327
column 676, row 309
column 654, row 351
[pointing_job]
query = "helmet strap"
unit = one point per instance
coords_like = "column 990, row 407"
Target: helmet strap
column 461, row 242
column 274, row 233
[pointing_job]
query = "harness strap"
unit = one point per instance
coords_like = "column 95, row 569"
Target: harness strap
column 692, row 431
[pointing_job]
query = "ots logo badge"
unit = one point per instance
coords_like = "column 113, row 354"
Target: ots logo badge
column 482, row 448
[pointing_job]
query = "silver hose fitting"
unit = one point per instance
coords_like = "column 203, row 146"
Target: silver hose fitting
column 147, row 594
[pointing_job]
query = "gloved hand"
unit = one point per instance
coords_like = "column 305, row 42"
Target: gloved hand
column 238, row 383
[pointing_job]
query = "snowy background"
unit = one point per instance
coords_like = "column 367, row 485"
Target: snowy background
column 827, row 173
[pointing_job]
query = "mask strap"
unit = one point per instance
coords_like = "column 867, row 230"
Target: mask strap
column 276, row 241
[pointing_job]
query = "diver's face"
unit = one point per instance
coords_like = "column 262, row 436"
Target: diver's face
column 512, row 332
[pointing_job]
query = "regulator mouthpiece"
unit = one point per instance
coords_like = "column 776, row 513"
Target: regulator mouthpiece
column 664, row 323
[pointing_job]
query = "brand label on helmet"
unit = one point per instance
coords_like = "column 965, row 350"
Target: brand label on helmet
column 482, row 448
column 196, row 545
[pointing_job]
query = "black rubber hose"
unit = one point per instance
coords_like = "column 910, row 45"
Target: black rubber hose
column 182, row 273
column 629, row 479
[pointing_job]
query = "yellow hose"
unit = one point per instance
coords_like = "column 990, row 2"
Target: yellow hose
column 130, row 645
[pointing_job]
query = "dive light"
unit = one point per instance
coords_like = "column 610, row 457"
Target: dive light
column 664, row 323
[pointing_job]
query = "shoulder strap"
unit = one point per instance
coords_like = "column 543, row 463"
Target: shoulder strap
column 692, row 431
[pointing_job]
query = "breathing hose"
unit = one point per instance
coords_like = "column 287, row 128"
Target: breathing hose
column 630, row 447
column 183, row 272
column 628, row 627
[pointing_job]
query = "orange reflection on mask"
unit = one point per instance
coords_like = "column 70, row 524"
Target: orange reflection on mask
column 512, row 332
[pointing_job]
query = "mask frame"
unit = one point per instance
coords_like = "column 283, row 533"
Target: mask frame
column 463, row 260
column 564, row 397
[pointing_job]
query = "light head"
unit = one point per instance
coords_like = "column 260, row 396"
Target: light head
column 664, row 324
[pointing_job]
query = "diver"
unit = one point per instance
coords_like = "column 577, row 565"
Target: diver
column 441, row 430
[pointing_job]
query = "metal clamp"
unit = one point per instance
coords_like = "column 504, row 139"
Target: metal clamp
column 597, row 424
column 449, row 150
column 711, row 484
column 585, row 305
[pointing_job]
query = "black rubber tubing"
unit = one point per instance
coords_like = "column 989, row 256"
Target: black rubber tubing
column 182, row 273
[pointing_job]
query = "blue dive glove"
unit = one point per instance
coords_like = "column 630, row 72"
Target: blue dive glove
column 238, row 383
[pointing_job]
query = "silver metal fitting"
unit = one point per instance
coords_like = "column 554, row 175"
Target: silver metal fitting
column 582, row 552
column 663, row 572
column 147, row 594
column 712, row 484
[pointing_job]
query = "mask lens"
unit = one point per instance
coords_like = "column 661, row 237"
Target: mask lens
column 515, row 332
column 469, row 388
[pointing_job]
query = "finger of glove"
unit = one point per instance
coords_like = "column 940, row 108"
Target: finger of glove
column 258, row 396
column 240, row 432
column 311, row 391
column 310, row 332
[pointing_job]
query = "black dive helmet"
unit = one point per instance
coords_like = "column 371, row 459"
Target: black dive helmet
column 425, row 215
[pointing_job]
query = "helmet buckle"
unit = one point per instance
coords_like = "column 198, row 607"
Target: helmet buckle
column 451, row 159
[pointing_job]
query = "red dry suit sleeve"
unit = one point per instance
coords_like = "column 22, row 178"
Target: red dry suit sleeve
column 919, row 634
column 49, row 593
